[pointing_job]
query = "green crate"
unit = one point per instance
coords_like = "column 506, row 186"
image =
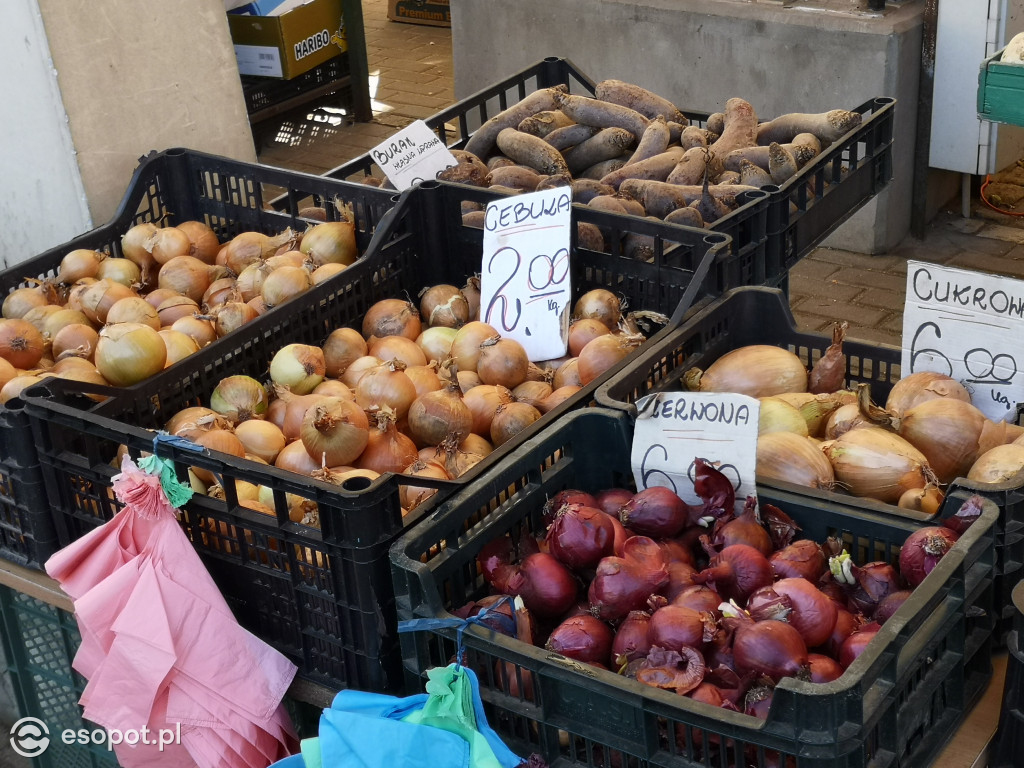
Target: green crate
column 1001, row 91
column 39, row 642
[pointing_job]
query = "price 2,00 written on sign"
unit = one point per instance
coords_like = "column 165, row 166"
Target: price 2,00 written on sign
column 525, row 284
column 967, row 325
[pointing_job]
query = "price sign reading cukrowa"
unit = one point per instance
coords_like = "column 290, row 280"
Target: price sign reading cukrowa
column 412, row 155
column 674, row 428
column 525, row 278
column 967, row 325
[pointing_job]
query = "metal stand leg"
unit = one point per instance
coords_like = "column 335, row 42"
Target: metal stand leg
column 965, row 195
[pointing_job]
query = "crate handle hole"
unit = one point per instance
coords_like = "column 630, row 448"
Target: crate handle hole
column 357, row 484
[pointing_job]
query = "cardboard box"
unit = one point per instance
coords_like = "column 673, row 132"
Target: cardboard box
column 285, row 46
column 435, row 13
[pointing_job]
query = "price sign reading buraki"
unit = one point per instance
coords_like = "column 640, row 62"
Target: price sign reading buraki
column 967, row 325
column 525, row 277
column 675, row 428
column 412, row 155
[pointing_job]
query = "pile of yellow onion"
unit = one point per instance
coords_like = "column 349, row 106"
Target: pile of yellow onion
column 426, row 391
column 927, row 435
column 119, row 320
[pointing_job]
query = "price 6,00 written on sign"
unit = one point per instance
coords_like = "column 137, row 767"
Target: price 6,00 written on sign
column 673, row 429
column 525, row 276
column 967, row 325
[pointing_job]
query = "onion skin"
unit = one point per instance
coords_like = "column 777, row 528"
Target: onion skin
column 630, row 640
column 623, row 584
column 771, row 648
column 791, row 458
column 829, row 373
column 676, row 626
column 803, row 558
column 736, row 572
column 998, row 465
column 758, row 370
column 922, row 386
column 655, row 512
column 580, row 536
column 880, row 465
column 584, row 638
column 744, row 529
column 546, row 586
column 813, row 615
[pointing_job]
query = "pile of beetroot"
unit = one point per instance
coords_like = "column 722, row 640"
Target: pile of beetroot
column 694, row 598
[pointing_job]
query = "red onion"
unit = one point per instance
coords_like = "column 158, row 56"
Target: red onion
column 743, row 529
column 501, row 619
column 922, row 551
column 758, row 701
column 781, row 527
column 680, row 576
column 493, row 555
column 867, row 585
column 822, row 668
column 513, row 680
column 771, row 648
column 580, row 536
column 623, row 584
column 846, row 624
column 969, row 511
column 699, row 597
column 610, row 501
column 813, row 614
column 675, row 627
column 765, row 603
column 621, row 535
column 584, row 638
column 676, row 550
column 714, row 489
column 678, row 670
column 737, row 571
column 547, row 587
column 560, row 499
column 856, row 643
column 655, row 511
column 803, row 558
column 890, row 604
column 631, row 641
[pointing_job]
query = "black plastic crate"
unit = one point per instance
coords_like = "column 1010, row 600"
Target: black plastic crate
column 167, row 188
column 39, row 642
column 267, row 97
column 324, row 597
column 762, row 316
column 767, row 240
column 1008, row 745
column 896, row 705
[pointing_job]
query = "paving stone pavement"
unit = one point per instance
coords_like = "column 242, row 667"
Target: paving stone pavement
column 411, row 77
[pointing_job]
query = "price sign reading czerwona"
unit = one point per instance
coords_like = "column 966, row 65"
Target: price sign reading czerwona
column 673, row 429
column 967, row 325
column 524, row 281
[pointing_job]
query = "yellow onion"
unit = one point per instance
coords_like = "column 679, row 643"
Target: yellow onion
column 511, row 419
column 411, row 496
column 87, row 375
column 201, row 331
column 128, row 353
column 952, row 434
column 927, row 500
column 123, row 271
column 334, row 388
column 77, row 264
column 221, row 440
column 567, row 374
column 203, row 242
column 19, row 301
column 845, row 418
column 335, row 431
column 248, row 247
column 193, row 420
column 758, row 370
column 179, row 346
column 436, row 343
column 343, row 347
column 877, row 464
column 389, row 348
column 287, row 258
column 188, row 276
column 250, row 281
column 168, row 242
column 295, row 458
column 261, row 438
column 239, row 398
column 436, row 415
column 287, row 410
column 333, row 242
column 444, row 306
column 502, row 361
column 174, row 308
column 556, row 398
column 21, row 343
column 133, row 246
column 231, row 316
column 467, row 380
column 299, row 367
column 392, row 317
column 482, row 402
column 7, row 372
column 583, row 331
column 326, row 272
column 998, row 464
column 220, row 291
column 599, row 304
column 387, row 449
column 55, row 322
column 133, row 309
column 921, row 386
column 816, row 409
column 358, row 368
column 16, row 385
column 386, row 386
column 604, row 352
column 97, row 299
column 244, row 491
column 457, row 461
column 532, row 392
column 424, row 378
column 39, row 317
column 465, row 349
column 777, row 415
column 477, row 444
column 792, row 458
column 283, row 284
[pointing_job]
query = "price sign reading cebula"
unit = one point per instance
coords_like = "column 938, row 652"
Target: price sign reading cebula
column 967, row 325
column 524, row 280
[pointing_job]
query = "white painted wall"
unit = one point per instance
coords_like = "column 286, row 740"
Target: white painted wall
column 42, row 200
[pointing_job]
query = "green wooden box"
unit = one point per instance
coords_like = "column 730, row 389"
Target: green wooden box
column 1001, row 91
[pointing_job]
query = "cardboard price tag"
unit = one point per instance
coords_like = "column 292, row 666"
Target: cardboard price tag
column 412, row 155
column 967, row 325
column 675, row 428
column 525, row 286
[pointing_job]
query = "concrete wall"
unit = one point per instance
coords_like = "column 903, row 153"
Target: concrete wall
column 42, row 200
column 698, row 53
column 126, row 77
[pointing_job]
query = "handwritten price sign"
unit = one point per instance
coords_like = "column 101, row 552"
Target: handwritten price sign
column 524, row 282
column 967, row 325
column 674, row 428
column 412, row 155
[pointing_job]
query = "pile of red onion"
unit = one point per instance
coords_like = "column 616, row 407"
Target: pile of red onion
column 696, row 599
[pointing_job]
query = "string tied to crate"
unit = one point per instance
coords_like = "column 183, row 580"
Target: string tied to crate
column 489, row 617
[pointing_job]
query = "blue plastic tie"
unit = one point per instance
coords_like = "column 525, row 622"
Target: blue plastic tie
column 177, row 441
column 426, row 625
